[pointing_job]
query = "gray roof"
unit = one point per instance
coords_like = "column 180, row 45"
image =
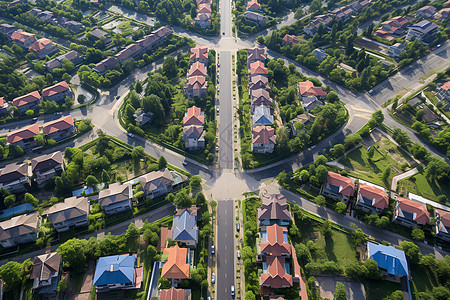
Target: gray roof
column 13, row 172
column 19, row 225
column 151, row 181
column 71, row 208
column 116, row 193
column 46, row 162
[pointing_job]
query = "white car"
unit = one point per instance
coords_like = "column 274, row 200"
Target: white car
column 213, row 278
column 232, row 290
column 130, row 134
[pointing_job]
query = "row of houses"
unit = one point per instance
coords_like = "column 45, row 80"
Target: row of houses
column 197, row 84
column 263, row 134
column 193, row 129
column 204, row 12
column 253, row 14
column 57, row 130
column 430, row 12
column 49, row 17
column 135, row 50
column 410, row 212
column 344, row 13
column 56, row 93
column 275, row 253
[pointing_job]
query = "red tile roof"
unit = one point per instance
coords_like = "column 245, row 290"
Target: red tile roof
column 275, row 207
column 22, row 134
column 25, row 99
column 199, row 52
column 22, row 36
column 194, row 116
column 264, row 135
column 446, row 86
column 298, row 275
column 60, row 87
column 258, row 68
column 291, row 39
column 204, row 8
column 2, row 102
column 197, row 82
column 172, row 294
column 422, row 215
column 253, row 4
column 445, row 217
column 57, row 125
column 40, row 44
column 307, row 88
column 197, row 69
column 176, row 266
column 276, row 277
column 346, row 185
column 371, row 192
column 275, row 244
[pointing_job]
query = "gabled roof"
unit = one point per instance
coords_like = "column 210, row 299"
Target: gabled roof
column 264, row 135
column 204, row 8
column 199, row 52
column 45, row 266
column 116, row 193
column 177, row 266
column 343, row 184
column 46, row 161
column 147, row 40
column 106, row 64
column 444, row 217
column 277, row 243
column 72, row 207
column 424, row 26
column 22, row 36
column 259, row 78
column 128, row 52
column 27, row 132
column 274, row 207
column 197, row 69
column 276, row 276
column 427, row 10
column 291, row 39
column 57, row 125
column 193, row 131
column 25, row 99
column 60, row 87
column 172, row 294
column 262, row 116
column 20, row 225
column 196, row 82
column 153, row 180
column 320, row 54
column 116, row 269
column 389, row 258
column 98, row 33
column 13, row 172
column 253, row 4
column 194, row 116
column 256, row 54
column 378, row 196
column 257, row 93
column 413, row 210
column 162, row 32
column 40, row 44
column 258, row 68
column 185, row 227
column 307, row 88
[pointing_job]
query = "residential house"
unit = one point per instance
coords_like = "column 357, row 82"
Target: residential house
column 307, row 88
column 43, row 47
column 157, row 183
column 23, row 137
column 199, row 54
column 254, row 17
column 255, row 54
column 442, row 227
column 305, row 119
column 258, row 82
column 203, row 20
column 344, row 13
column 274, row 210
column 257, row 68
column 196, row 87
column 3, row 106
column 75, row 26
column 396, row 49
column 338, row 187
column 101, row 35
column 291, row 40
column 178, row 263
column 372, row 198
column 443, row 92
column 320, row 54
column 116, row 198
column 253, row 5
column 260, row 97
column 396, row 26
column 175, row 294
column 194, row 116
column 424, row 31
column 59, row 129
column 314, row 25
column 7, row 29
column 56, row 62
column 391, row 261
column 426, row 12
column 130, row 51
column 45, row 274
column 14, row 177
column 184, row 228
column 16, row 2
column 106, row 65
column 197, row 69
column 23, row 39
column 193, row 137
column 18, row 230
column 45, row 15
column 262, row 116
column 410, row 213
column 263, row 139
column 27, row 102
column 310, row 102
column 142, row 117
column 46, row 167
column 204, row 8
column 274, row 241
column 57, row 92
column 442, row 15
column 275, row 273
column 117, row 272
column 73, row 212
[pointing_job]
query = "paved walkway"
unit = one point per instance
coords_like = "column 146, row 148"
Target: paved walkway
column 407, row 174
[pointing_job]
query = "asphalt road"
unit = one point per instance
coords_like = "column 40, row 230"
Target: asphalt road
column 225, row 249
column 225, row 18
column 225, row 112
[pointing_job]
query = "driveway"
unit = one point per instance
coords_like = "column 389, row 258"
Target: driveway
column 327, row 284
column 86, row 288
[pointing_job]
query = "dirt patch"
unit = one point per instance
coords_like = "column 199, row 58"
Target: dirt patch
column 370, row 140
column 327, row 284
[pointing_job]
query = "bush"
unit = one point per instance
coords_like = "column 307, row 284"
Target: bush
column 418, row 235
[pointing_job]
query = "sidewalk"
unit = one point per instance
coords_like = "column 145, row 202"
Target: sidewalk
column 407, row 174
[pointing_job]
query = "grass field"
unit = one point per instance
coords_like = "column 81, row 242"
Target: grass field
column 423, row 279
column 429, row 190
column 378, row 290
column 371, row 169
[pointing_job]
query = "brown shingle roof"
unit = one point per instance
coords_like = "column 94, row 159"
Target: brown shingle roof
column 13, row 172
column 256, row 54
column 47, row 161
column 60, row 87
column 25, row 99
column 19, row 225
column 57, row 125
column 116, row 192
column 444, row 216
column 275, row 245
column 44, row 266
column 153, row 180
column 22, row 36
column 274, row 207
column 176, row 266
column 22, row 134
column 72, row 207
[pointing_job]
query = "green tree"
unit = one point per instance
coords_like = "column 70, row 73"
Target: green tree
column 138, row 87
column 340, row 207
column 132, row 232
column 338, row 150
column 378, row 117
column 81, row 98
column 105, row 177
column 62, row 286
column 195, row 182
column 321, row 173
column 91, row 181
column 339, row 292
column 418, row 234
column 73, row 254
column 200, row 199
column 162, row 163
column 304, row 175
column 332, row 97
column 386, row 173
column 170, row 68
column 151, row 253
column 182, row 199
column 320, row 200
column 411, row 250
column 9, row 200
column 29, row 198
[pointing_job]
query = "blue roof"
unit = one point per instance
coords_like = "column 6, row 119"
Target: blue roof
column 185, row 227
column 114, row 269
column 389, row 258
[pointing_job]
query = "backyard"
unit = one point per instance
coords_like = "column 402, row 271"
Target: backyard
column 429, row 190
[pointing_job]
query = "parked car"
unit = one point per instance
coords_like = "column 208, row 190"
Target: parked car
column 130, row 134
column 238, row 226
column 232, row 290
column 184, row 163
column 213, row 250
column 239, row 254
column 213, row 278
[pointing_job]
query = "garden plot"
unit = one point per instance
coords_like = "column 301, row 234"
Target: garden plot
column 102, row 15
column 122, row 27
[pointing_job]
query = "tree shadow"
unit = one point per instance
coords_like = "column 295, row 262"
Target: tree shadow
column 329, row 248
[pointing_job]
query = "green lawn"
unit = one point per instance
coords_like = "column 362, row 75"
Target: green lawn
column 423, row 279
column 386, row 155
column 338, row 248
column 377, row 290
column 429, row 190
